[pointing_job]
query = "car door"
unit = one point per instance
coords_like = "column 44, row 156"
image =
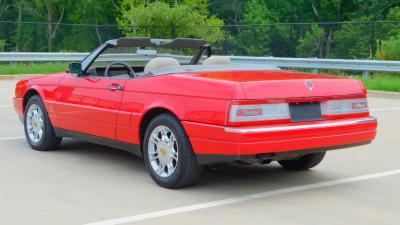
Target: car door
column 89, row 104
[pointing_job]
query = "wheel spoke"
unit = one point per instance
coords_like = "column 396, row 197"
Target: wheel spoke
column 160, row 169
column 174, row 156
column 153, row 156
column 170, row 168
column 163, row 151
column 34, row 123
column 40, row 133
column 155, row 138
column 163, row 131
column 35, row 135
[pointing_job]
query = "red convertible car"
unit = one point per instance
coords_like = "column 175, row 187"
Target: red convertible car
column 179, row 113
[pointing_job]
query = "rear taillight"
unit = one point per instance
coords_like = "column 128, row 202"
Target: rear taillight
column 245, row 113
column 345, row 107
column 242, row 113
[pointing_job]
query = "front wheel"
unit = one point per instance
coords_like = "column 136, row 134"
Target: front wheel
column 305, row 162
column 39, row 131
column 168, row 153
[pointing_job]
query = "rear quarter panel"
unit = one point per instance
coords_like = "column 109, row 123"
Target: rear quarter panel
column 188, row 98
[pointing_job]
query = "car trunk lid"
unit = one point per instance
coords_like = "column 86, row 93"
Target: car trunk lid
column 287, row 84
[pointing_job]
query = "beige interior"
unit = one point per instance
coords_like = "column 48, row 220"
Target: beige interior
column 160, row 63
column 217, row 60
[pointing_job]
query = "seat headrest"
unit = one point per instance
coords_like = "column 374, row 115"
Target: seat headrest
column 160, row 63
column 217, row 60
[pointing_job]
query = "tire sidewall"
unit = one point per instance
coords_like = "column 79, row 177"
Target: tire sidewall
column 37, row 101
column 184, row 149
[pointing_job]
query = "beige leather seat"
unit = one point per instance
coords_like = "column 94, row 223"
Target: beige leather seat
column 217, row 60
column 160, row 63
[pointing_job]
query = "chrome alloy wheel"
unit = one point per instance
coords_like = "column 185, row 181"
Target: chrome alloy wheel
column 163, row 151
column 34, row 123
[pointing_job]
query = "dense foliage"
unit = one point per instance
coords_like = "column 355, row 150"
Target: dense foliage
column 290, row 28
column 160, row 19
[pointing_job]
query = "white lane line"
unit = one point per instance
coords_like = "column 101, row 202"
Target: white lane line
column 385, row 109
column 243, row 198
column 11, row 138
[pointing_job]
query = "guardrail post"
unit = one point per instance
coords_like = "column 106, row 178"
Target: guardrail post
column 365, row 74
column 315, row 71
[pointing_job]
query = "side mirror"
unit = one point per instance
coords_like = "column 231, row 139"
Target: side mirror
column 75, row 68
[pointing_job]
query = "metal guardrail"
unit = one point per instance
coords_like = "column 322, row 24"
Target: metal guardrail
column 308, row 63
column 335, row 64
column 71, row 57
column 40, row 57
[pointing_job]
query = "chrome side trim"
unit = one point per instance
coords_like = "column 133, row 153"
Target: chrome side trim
column 298, row 127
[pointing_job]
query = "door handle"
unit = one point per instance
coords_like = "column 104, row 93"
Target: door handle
column 115, row 87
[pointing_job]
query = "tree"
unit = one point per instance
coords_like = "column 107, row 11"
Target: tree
column 4, row 6
column 231, row 11
column 389, row 50
column 312, row 44
column 204, row 19
column 20, row 5
column 85, row 38
column 2, row 45
column 52, row 11
column 376, row 10
column 352, row 41
column 255, row 39
column 163, row 20
column 390, row 30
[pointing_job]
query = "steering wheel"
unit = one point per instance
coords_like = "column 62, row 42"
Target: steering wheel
column 131, row 73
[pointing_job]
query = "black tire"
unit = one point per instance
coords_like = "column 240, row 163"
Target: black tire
column 187, row 169
column 48, row 140
column 305, row 162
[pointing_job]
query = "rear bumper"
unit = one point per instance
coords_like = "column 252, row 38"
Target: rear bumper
column 256, row 140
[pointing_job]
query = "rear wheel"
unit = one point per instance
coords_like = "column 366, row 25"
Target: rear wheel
column 168, row 153
column 39, row 131
column 305, row 162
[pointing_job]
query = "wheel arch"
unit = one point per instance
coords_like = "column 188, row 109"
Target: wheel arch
column 28, row 94
column 188, row 171
column 150, row 115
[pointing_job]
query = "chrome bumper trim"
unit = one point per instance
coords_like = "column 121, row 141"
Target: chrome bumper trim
column 298, row 127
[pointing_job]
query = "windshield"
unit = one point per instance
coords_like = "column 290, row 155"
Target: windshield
column 139, row 56
column 136, row 58
column 116, row 57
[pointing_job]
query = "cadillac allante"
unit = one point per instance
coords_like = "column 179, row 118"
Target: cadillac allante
column 180, row 112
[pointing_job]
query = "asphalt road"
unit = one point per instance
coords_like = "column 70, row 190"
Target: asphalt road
column 86, row 183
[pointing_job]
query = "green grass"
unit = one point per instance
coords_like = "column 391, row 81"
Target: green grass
column 381, row 82
column 375, row 81
column 32, row 68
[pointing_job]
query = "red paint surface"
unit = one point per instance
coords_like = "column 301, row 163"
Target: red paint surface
column 200, row 100
column 212, row 139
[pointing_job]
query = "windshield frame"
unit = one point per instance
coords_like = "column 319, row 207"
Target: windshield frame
column 198, row 44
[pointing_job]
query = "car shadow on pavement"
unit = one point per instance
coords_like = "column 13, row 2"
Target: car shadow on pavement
column 225, row 177
column 253, row 175
column 101, row 154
